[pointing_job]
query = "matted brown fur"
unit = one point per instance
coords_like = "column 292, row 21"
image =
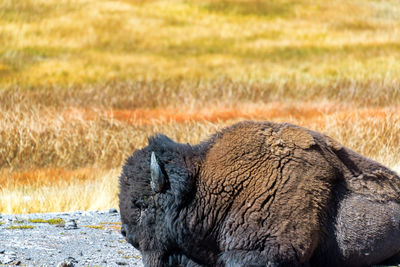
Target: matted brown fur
column 252, row 168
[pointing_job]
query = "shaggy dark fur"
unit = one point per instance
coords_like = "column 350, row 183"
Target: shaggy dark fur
column 260, row 194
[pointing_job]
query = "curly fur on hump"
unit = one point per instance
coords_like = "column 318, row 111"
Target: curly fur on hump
column 260, row 193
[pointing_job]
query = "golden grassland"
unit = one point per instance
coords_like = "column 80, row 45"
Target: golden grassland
column 78, row 42
column 84, row 83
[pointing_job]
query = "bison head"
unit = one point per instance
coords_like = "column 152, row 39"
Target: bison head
column 155, row 182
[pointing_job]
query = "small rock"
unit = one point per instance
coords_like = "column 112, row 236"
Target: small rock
column 112, row 210
column 15, row 263
column 28, row 258
column 6, row 259
column 2, row 251
column 70, row 224
column 121, row 263
column 68, row 262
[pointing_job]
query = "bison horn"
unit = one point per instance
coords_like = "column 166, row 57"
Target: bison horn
column 157, row 178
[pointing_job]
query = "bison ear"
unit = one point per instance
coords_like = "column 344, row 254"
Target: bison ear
column 157, row 178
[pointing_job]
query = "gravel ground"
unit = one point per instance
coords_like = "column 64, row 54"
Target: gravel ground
column 81, row 238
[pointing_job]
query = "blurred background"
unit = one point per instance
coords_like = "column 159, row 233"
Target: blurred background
column 83, row 83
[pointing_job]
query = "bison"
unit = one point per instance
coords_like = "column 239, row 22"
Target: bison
column 259, row 194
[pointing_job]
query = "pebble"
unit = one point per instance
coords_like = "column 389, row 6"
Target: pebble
column 7, row 259
column 112, row 210
column 70, row 225
column 68, row 262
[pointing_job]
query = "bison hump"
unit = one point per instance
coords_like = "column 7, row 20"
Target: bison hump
column 296, row 136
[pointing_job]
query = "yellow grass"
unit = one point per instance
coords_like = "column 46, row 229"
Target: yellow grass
column 95, row 194
column 90, row 41
column 83, row 83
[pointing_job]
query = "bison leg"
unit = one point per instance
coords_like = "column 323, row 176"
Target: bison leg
column 181, row 260
column 152, row 258
column 238, row 258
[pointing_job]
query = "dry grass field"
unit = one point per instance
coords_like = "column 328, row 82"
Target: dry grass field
column 84, row 83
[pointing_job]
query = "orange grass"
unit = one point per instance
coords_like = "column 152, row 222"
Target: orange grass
column 212, row 114
column 299, row 112
column 216, row 114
